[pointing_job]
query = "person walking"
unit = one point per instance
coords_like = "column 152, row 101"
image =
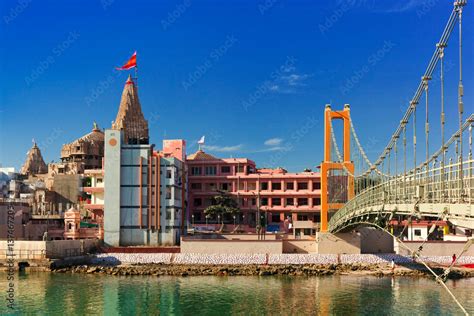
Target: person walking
column 454, row 259
column 393, row 265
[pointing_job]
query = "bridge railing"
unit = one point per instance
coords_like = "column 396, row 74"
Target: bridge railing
column 431, row 184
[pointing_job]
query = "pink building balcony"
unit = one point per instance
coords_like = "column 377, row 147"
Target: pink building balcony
column 93, row 189
column 94, row 206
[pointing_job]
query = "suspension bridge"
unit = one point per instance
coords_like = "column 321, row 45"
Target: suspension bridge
column 399, row 187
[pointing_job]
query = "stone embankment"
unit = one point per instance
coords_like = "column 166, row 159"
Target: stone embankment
column 158, row 264
column 258, row 270
column 190, row 258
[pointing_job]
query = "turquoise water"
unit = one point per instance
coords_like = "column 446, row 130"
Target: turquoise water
column 79, row 294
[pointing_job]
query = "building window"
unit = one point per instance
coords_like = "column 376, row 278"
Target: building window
column 168, row 192
column 240, row 168
column 99, row 180
column 317, row 185
column 417, row 232
column 225, row 186
column 276, row 201
column 168, row 174
column 196, row 186
column 196, row 171
column 302, row 185
column 302, row 201
column 225, row 169
column 301, row 217
column 211, row 170
column 275, row 218
column 264, row 201
column 264, row 186
column 316, row 201
column 290, row 201
column 197, row 216
column 254, row 201
column 197, row 202
column 276, row 186
column 290, row 186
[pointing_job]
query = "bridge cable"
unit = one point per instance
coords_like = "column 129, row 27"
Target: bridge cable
column 443, row 160
column 404, row 162
column 427, row 132
column 459, row 5
column 466, row 247
column 437, row 277
column 429, row 71
column 414, row 139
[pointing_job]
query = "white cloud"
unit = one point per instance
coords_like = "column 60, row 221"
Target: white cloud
column 273, row 141
column 223, row 148
column 295, row 79
column 274, row 87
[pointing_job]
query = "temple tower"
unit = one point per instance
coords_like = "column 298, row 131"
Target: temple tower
column 130, row 117
column 34, row 163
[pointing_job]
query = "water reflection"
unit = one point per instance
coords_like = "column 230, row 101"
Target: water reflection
column 74, row 294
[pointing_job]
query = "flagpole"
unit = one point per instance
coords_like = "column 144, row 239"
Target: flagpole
column 136, row 76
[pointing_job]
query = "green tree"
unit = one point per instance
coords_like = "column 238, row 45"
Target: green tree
column 222, row 204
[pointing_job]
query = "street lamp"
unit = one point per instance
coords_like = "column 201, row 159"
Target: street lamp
column 192, row 216
column 218, row 219
column 207, row 217
column 234, row 220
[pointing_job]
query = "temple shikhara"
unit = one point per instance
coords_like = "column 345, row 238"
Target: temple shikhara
column 34, row 163
column 130, row 117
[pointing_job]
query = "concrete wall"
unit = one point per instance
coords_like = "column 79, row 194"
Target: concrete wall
column 375, row 241
column 348, row 243
column 230, row 237
column 69, row 248
column 112, row 187
column 435, row 248
column 230, row 247
column 27, row 249
column 299, row 246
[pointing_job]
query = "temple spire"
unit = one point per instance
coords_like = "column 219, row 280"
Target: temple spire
column 130, row 117
column 34, row 163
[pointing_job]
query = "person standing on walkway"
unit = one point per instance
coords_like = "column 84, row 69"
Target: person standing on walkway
column 393, row 265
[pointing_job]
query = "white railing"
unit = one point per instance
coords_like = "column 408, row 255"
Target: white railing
column 430, row 185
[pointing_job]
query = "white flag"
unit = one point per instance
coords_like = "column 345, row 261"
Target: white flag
column 201, row 141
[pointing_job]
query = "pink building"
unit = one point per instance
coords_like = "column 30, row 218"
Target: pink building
column 280, row 195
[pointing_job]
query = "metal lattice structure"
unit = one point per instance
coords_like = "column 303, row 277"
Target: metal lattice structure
column 441, row 187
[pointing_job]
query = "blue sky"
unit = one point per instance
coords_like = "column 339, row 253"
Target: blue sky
column 253, row 76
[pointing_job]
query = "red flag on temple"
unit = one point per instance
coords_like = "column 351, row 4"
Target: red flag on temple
column 131, row 63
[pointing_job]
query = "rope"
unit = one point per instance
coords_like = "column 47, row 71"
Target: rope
column 455, row 14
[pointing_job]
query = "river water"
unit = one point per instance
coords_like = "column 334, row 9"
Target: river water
column 95, row 294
